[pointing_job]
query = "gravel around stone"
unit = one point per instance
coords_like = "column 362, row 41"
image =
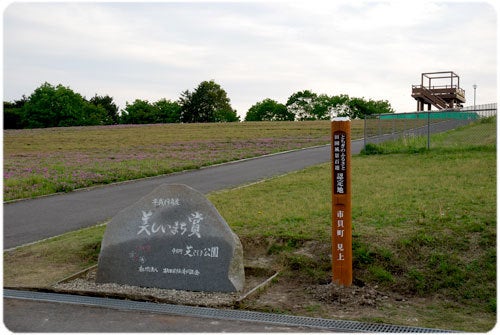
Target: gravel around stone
column 85, row 284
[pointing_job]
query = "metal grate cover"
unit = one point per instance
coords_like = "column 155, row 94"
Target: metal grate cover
column 226, row 314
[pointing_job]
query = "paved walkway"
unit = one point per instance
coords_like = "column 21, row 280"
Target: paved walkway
column 36, row 316
column 32, row 220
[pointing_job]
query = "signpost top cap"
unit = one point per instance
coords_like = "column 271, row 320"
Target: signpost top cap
column 341, row 118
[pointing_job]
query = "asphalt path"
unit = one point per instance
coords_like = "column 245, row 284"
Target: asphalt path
column 57, row 312
column 32, row 220
column 37, row 316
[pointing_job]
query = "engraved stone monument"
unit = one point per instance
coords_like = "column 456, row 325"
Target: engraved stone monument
column 172, row 238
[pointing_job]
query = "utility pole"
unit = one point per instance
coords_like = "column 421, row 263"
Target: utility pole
column 475, row 86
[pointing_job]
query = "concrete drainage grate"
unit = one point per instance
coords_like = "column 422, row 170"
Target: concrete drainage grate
column 226, row 314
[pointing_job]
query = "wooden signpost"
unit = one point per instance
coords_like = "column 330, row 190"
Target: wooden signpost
column 341, row 202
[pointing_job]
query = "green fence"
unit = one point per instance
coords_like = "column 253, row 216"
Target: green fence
column 456, row 115
column 385, row 127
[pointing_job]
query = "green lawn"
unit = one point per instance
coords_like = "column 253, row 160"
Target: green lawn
column 422, row 224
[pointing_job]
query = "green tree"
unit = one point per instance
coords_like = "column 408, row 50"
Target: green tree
column 50, row 106
column 207, row 103
column 94, row 116
column 380, row 106
column 268, row 110
column 307, row 105
column 336, row 105
column 359, row 107
column 301, row 104
column 167, row 111
column 139, row 112
column 226, row 115
column 106, row 102
column 13, row 113
column 143, row 112
column 324, row 106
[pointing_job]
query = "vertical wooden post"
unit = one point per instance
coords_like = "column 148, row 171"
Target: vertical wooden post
column 341, row 202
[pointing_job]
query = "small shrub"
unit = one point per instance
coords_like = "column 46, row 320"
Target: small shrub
column 372, row 149
column 361, row 254
column 381, row 275
column 492, row 305
column 417, row 281
column 309, row 269
column 287, row 245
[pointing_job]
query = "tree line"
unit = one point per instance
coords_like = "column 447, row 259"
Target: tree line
column 307, row 105
column 59, row 106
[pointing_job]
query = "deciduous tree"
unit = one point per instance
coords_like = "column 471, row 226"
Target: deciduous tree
column 106, row 102
column 167, row 111
column 301, row 104
column 207, row 103
column 13, row 113
column 50, row 106
column 359, row 107
column 139, row 112
column 268, row 110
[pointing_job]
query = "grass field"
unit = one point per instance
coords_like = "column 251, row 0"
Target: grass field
column 45, row 161
column 424, row 227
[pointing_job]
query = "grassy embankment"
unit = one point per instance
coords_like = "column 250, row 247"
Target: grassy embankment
column 45, row 161
column 424, row 226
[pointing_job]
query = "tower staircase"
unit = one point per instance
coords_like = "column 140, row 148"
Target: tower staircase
column 447, row 96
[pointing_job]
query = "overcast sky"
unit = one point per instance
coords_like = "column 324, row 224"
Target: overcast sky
column 254, row 50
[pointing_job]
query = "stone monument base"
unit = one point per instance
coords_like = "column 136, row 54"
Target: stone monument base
column 83, row 283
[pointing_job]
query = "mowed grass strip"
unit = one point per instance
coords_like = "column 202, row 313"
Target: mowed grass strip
column 424, row 226
column 45, row 161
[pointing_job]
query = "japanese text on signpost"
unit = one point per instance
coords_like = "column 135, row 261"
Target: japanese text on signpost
column 341, row 202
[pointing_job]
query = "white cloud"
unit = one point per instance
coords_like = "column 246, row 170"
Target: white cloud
column 255, row 50
column 93, row 32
